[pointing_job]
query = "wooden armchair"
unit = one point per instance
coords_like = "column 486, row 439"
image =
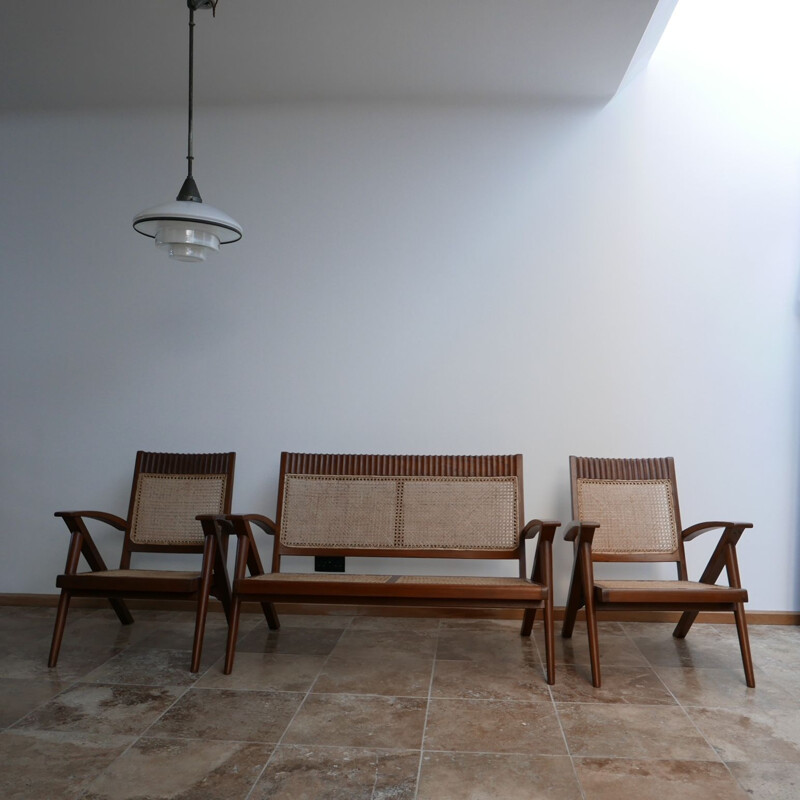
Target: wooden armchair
column 169, row 491
column 626, row 510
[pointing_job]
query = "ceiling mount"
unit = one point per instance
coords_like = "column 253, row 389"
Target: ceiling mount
column 197, row 5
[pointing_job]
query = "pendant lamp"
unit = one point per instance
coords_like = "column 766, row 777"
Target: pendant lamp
column 188, row 229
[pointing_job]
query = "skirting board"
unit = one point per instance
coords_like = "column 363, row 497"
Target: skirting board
column 753, row 617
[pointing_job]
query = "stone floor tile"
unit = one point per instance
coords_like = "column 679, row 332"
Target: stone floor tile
column 494, row 646
column 102, row 709
column 485, row 680
column 332, row 621
column 180, row 636
column 612, row 779
column 75, row 660
column 359, row 721
column 722, row 688
column 703, row 648
column 375, row 672
column 482, row 776
column 784, row 678
column 18, row 697
column 383, row 644
column 392, row 623
column 481, row 624
column 281, row 672
column 752, row 734
column 767, row 781
column 182, row 769
column 660, row 630
column 229, row 715
column 618, row 730
column 29, row 623
column 336, row 773
column 774, row 645
column 637, row 685
column 146, row 667
column 103, row 629
column 53, row 765
column 616, row 647
column 299, row 641
column 493, row 726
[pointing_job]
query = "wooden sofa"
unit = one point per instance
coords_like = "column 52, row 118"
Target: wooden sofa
column 454, row 507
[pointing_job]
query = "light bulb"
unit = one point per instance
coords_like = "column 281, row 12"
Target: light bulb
column 186, row 244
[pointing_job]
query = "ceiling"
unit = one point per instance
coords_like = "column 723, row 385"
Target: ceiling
column 100, row 54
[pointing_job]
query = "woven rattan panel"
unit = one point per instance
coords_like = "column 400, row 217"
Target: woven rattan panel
column 659, row 585
column 320, row 511
column 634, row 516
column 165, row 507
column 335, row 577
column 399, row 512
column 469, row 513
column 165, row 574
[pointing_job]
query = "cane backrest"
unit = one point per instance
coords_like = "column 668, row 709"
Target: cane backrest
column 466, row 506
column 635, row 503
column 169, row 491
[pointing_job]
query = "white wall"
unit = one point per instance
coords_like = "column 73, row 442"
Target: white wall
column 618, row 281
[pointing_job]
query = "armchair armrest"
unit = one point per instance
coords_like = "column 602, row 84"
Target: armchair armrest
column 696, row 530
column 542, row 571
column 247, row 557
column 82, row 542
column 724, row 555
column 209, row 523
column 265, row 523
column 110, row 519
column 580, row 531
column 544, row 528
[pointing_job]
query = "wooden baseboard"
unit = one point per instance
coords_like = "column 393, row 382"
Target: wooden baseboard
column 753, row 617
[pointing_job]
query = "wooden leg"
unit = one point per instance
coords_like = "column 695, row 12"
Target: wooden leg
column 574, row 600
column 684, row 623
column 273, row 623
column 744, row 644
column 549, row 641
column 233, row 632
column 587, row 575
column 206, row 578
column 58, row 630
column 199, row 631
column 121, row 610
column 528, row 618
column 221, row 581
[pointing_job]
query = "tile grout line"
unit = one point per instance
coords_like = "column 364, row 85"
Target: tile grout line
column 685, row 711
column 566, row 743
column 427, row 710
column 294, row 716
column 136, row 738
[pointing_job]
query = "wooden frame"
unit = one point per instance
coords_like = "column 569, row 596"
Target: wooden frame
column 115, row 585
column 519, row 593
column 678, row 595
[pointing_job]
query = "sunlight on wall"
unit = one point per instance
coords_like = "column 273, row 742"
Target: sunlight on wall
column 742, row 59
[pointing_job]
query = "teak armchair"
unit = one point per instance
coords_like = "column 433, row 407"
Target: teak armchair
column 169, row 491
column 626, row 510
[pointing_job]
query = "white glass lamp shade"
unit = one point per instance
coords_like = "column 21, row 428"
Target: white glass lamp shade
column 186, row 230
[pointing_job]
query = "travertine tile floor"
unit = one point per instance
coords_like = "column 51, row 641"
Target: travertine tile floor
column 388, row 708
